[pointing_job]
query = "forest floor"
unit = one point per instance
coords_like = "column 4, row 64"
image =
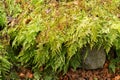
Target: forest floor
column 98, row 74
column 80, row 74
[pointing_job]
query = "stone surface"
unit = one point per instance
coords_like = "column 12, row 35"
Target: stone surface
column 93, row 59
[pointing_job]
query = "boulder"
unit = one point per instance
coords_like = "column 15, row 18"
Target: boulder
column 93, row 58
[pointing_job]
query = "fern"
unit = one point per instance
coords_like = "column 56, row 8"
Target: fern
column 4, row 62
column 3, row 19
column 50, row 36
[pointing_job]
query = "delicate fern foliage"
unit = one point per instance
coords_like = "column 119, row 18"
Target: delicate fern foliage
column 4, row 63
column 50, row 35
column 3, row 19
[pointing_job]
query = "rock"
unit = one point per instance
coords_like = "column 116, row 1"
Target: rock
column 93, row 59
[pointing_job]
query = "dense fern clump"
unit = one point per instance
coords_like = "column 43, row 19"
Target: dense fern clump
column 5, row 64
column 4, row 41
column 2, row 17
column 50, row 34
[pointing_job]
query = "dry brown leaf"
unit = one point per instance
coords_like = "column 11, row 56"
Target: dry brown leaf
column 29, row 75
column 22, row 75
column 117, row 77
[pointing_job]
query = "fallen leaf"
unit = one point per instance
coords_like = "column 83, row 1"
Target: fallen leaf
column 29, row 75
column 22, row 75
column 117, row 77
